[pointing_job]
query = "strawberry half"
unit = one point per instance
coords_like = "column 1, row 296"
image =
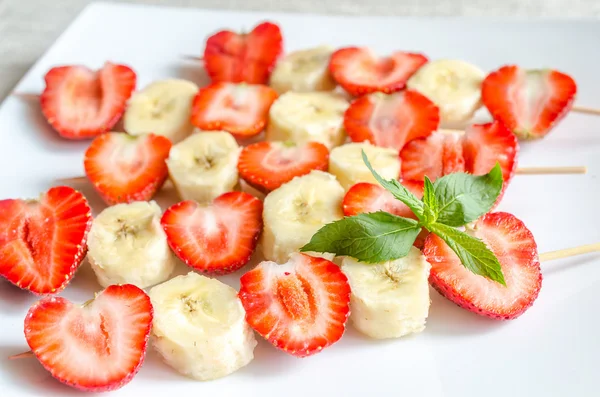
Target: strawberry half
column 43, row 242
column 514, row 246
column 125, row 168
column 301, row 307
column 486, row 144
column 476, row 152
column 367, row 197
column 437, row 155
column 80, row 103
column 98, row 346
column 528, row 102
column 268, row 165
column 241, row 109
column 219, row 238
column 247, row 58
column 391, row 120
column 359, row 71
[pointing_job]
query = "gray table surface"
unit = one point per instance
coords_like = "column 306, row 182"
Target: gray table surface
column 29, row 27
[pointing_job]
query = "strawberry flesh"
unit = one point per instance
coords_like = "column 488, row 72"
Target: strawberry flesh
column 391, row 120
column 360, row 72
column 529, row 102
column 514, row 246
column 219, row 238
column 243, row 58
column 96, row 347
column 125, row 168
column 81, row 103
column 435, row 156
column 240, row 109
column 42, row 243
column 300, row 307
column 367, row 197
column 268, row 165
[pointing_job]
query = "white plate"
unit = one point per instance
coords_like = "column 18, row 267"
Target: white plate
column 552, row 350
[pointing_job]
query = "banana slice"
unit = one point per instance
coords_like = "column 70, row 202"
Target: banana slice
column 346, row 163
column 162, row 108
column 127, row 245
column 390, row 299
column 204, row 165
column 453, row 85
column 296, row 210
column 304, row 71
column 301, row 117
column 200, row 327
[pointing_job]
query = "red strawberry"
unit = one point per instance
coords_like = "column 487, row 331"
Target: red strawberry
column 219, row 238
column 240, row 109
column 301, row 307
column 391, row 120
column 360, row 72
column 435, row 156
column 528, row 102
column 367, row 197
column 248, row 58
column 486, row 144
column 125, row 168
column 81, row 103
column 516, row 250
column 98, row 346
column 268, row 165
column 42, row 243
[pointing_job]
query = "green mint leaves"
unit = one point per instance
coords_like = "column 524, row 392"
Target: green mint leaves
column 367, row 237
column 451, row 201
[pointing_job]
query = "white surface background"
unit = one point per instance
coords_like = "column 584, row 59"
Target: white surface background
column 28, row 27
column 552, row 350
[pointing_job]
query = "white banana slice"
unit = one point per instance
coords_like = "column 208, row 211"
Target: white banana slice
column 127, row 245
column 204, row 165
column 346, row 163
column 453, row 85
column 200, row 328
column 296, row 210
column 304, row 71
column 390, row 299
column 301, row 117
column 162, row 108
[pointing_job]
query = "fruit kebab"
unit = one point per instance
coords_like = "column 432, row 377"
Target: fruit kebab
column 491, row 268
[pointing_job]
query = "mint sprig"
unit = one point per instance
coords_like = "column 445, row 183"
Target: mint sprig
column 451, row 201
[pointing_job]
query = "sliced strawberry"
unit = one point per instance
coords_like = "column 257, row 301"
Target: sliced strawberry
column 359, row 71
column 241, row 109
column 42, row 243
column 243, row 58
column 81, row 103
column 268, row 165
column 514, row 246
column 219, row 238
column 301, row 307
column 486, row 144
column 125, row 168
column 435, row 156
column 528, row 102
column 367, row 197
column 98, row 346
column 391, row 120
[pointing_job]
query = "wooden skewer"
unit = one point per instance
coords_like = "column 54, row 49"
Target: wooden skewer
column 551, row 170
column 565, row 253
column 21, row 355
column 585, row 110
column 26, row 96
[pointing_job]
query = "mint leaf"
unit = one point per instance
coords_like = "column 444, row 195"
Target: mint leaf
column 373, row 238
column 473, row 253
column 462, row 198
column 397, row 190
column 430, row 201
